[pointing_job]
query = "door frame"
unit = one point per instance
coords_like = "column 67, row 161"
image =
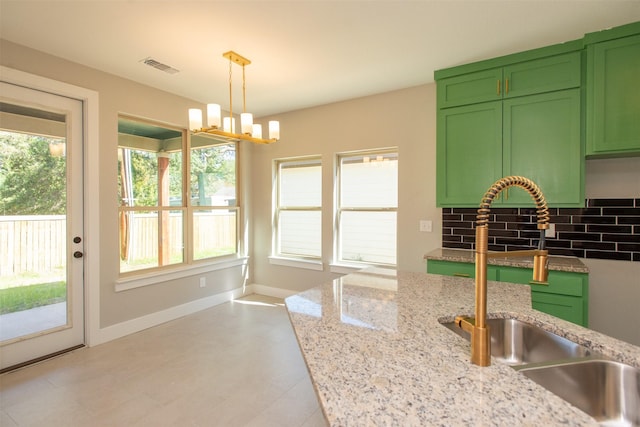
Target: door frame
column 90, row 131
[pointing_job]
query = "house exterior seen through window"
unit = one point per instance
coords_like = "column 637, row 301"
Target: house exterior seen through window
column 298, row 208
column 366, row 207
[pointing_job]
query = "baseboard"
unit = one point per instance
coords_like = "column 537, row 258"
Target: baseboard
column 270, row 291
column 138, row 324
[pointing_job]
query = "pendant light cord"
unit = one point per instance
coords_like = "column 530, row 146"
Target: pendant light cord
column 230, row 97
column 244, row 93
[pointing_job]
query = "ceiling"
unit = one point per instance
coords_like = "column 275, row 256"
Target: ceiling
column 304, row 53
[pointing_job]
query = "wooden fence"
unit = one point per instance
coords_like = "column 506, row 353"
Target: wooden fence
column 211, row 230
column 37, row 243
column 34, row 243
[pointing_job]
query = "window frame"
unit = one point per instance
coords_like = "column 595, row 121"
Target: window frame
column 145, row 276
column 338, row 260
column 286, row 258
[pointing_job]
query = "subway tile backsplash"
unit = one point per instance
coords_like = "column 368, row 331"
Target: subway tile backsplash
column 605, row 229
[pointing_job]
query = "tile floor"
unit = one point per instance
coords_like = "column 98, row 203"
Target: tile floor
column 236, row 364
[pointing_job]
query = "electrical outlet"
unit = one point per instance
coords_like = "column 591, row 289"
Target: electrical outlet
column 551, row 231
column 203, row 282
column 426, row 225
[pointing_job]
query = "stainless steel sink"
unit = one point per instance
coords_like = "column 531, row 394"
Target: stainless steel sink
column 515, row 343
column 608, row 391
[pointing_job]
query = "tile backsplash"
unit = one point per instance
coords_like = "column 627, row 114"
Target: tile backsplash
column 605, row 229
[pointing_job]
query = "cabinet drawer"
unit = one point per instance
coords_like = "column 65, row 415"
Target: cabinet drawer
column 470, row 88
column 560, row 282
column 542, row 75
column 458, row 269
column 448, row 268
column 562, row 306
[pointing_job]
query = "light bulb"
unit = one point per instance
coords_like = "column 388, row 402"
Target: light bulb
column 246, row 123
column 195, row 119
column 213, row 115
column 274, row 129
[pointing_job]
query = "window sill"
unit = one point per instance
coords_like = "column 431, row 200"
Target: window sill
column 138, row 281
column 346, row 268
column 297, row 263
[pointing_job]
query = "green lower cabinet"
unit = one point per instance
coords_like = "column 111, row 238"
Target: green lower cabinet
column 565, row 307
column 566, row 296
column 459, row 269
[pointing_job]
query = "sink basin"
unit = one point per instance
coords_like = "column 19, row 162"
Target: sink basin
column 515, row 342
column 608, row 391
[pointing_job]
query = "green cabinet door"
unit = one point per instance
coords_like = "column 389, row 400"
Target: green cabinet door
column 536, row 136
column 470, row 88
column 563, row 306
column 541, row 141
column 468, row 153
column 458, row 269
column 542, row 75
column 613, row 97
column 523, row 78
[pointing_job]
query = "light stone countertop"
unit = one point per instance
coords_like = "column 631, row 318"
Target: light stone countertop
column 378, row 356
column 558, row 263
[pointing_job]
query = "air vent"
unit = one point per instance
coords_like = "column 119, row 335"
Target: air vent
column 159, row 66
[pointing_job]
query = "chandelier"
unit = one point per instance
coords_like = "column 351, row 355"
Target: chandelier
column 225, row 129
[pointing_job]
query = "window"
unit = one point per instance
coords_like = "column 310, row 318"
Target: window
column 298, row 208
column 366, row 207
column 159, row 225
column 213, row 203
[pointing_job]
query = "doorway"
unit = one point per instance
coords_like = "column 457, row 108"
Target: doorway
column 41, row 225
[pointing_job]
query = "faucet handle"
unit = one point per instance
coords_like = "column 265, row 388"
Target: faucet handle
column 465, row 323
column 541, row 268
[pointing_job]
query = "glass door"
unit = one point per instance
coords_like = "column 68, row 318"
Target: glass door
column 41, row 225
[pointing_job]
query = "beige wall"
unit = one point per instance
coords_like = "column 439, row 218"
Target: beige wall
column 116, row 96
column 404, row 118
column 614, row 286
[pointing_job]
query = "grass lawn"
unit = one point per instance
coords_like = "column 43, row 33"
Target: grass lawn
column 25, row 297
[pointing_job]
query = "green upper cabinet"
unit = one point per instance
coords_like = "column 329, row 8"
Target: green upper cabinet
column 468, row 153
column 613, row 93
column 542, row 75
column 541, row 141
column 529, row 125
column 524, row 78
column 470, row 88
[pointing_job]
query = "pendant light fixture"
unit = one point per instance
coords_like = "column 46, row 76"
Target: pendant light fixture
column 225, row 129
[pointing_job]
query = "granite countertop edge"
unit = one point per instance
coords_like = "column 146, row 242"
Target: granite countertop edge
column 556, row 263
column 379, row 356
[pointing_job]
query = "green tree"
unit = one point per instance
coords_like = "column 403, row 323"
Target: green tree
column 32, row 181
column 212, row 168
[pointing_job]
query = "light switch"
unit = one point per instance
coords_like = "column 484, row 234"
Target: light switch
column 551, row 231
column 426, row 225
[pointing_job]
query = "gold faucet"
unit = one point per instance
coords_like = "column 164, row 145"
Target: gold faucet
column 477, row 327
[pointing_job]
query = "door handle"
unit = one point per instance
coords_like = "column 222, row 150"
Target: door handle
column 77, row 254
